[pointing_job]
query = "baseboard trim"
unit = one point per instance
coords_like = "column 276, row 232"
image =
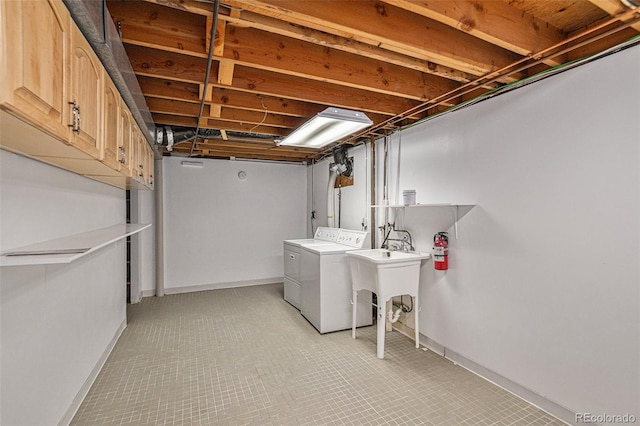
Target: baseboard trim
column 84, row 390
column 561, row 413
column 148, row 293
column 219, row 286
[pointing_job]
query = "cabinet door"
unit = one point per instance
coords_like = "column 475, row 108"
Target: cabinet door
column 125, row 142
column 135, row 152
column 143, row 162
column 36, row 44
column 86, row 96
column 110, row 123
column 149, row 164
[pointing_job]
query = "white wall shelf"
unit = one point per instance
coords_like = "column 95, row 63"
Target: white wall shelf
column 401, row 206
column 70, row 248
column 456, row 209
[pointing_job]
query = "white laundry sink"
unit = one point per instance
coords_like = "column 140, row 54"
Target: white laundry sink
column 391, row 273
column 387, row 274
column 379, row 256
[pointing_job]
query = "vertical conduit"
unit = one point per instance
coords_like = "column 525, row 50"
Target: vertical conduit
column 374, row 217
column 397, row 202
column 400, row 212
column 313, row 209
column 366, row 182
column 330, row 199
column 159, row 201
column 385, row 183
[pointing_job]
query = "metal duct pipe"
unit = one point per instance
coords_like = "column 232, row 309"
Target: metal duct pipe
column 631, row 4
column 169, row 136
column 342, row 162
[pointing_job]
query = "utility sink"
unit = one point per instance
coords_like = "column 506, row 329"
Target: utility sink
column 387, row 274
column 379, row 256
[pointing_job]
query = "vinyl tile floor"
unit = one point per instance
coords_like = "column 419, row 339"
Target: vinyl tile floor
column 244, row 356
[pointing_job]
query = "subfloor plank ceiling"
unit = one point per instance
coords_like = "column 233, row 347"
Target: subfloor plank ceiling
column 277, row 63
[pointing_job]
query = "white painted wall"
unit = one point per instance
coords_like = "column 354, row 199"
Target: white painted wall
column 56, row 321
column 355, row 199
column 143, row 244
column 543, row 287
column 221, row 231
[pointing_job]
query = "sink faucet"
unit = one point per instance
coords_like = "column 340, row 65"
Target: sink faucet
column 405, row 242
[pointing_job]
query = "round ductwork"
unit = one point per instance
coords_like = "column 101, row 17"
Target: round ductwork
column 631, row 4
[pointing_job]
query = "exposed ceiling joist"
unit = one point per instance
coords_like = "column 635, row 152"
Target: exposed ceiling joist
column 279, row 62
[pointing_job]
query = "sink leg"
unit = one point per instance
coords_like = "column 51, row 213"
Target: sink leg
column 354, row 309
column 380, row 328
column 416, row 309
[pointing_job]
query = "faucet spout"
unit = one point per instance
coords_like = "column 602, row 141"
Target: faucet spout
column 404, row 240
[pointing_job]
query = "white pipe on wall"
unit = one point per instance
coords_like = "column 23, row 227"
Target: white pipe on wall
column 159, row 199
column 330, row 199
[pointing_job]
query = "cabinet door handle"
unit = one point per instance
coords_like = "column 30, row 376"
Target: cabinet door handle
column 75, row 111
column 123, row 155
column 291, row 256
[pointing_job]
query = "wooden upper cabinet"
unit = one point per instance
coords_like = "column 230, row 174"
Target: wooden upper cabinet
column 52, row 81
column 110, row 124
column 36, row 43
column 85, row 95
column 125, row 148
column 143, row 165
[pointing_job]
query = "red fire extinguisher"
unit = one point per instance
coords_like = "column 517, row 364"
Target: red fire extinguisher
column 441, row 251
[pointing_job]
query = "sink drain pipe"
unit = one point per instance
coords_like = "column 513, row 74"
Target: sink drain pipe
column 393, row 317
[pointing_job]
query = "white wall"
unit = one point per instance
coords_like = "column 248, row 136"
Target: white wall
column 543, row 286
column 355, row 199
column 57, row 321
column 143, row 245
column 221, row 231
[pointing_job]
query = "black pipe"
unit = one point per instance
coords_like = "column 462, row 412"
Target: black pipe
column 206, row 77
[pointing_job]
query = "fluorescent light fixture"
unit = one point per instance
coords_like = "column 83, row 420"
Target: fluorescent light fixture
column 198, row 164
column 328, row 126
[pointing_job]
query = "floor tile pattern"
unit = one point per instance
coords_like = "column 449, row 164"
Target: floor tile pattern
column 244, row 356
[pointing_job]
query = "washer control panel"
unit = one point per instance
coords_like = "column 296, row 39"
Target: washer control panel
column 352, row 238
column 327, row 234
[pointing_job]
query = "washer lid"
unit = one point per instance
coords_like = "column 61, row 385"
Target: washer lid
column 327, row 248
column 299, row 242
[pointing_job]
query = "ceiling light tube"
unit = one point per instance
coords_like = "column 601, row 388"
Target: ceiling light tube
column 328, row 126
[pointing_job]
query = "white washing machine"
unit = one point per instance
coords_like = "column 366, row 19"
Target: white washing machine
column 292, row 250
column 325, row 283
